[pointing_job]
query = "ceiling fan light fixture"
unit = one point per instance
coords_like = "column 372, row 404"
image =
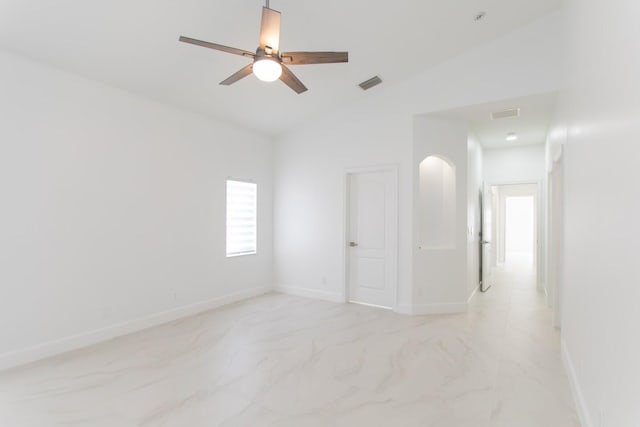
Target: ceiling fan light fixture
column 267, row 69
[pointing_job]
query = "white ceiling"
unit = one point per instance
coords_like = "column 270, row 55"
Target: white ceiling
column 132, row 44
column 531, row 126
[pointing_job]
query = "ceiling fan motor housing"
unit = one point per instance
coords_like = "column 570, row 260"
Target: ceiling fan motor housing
column 266, row 53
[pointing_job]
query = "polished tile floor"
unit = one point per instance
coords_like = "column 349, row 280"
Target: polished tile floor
column 286, row 361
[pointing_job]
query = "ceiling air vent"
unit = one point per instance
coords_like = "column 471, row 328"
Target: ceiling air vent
column 368, row 84
column 504, row 114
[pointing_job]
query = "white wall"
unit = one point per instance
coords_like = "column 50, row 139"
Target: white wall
column 113, row 210
column 310, row 160
column 439, row 274
column 310, row 200
column 599, row 119
column 516, row 164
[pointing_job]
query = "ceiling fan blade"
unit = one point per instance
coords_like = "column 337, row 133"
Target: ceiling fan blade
column 292, row 81
column 302, row 58
column 216, row 46
column 238, row 75
column 270, row 30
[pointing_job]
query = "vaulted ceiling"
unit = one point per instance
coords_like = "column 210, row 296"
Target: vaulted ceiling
column 133, row 45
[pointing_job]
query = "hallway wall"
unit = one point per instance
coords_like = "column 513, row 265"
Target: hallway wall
column 439, row 276
column 514, row 164
column 599, row 121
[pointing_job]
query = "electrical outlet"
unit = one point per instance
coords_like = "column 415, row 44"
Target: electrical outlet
column 324, row 281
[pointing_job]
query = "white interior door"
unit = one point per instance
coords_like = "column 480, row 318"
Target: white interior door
column 486, row 237
column 372, row 238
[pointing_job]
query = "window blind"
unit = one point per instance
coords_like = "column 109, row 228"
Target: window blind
column 241, row 218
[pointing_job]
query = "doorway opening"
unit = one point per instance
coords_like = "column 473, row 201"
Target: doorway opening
column 510, row 228
column 519, row 230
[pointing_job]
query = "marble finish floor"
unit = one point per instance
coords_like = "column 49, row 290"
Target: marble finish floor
column 285, row 361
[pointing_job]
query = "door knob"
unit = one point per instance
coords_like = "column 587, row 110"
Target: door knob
column 353, row 244
column 486, row 242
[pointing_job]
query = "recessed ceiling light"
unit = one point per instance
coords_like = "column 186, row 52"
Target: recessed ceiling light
column 511, row 136
column 479, row 16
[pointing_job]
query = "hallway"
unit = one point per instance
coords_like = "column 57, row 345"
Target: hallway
column 530, row 378
column 286, row 361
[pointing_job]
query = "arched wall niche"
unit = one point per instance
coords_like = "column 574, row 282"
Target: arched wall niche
column 437, row 204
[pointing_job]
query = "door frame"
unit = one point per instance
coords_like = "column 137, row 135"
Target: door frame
column 486, row 265
column 394, row 222
column 539, row 221
column 555, row 236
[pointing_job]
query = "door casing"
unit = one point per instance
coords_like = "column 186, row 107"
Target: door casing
column 555, row 238
column 539, row 223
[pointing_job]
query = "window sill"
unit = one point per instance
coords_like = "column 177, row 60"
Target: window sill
column 242, row 254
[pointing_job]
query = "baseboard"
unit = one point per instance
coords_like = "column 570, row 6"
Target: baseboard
column 448, row 308
column 473, row 294
column 75, row 342
column 420, row 309
column 404, row 309
column 541, row 286
column 310, row 293
column 581, row 407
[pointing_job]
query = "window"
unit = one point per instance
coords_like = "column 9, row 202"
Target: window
column 241, row 218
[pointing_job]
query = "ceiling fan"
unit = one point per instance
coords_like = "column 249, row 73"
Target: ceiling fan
column 269, row 64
